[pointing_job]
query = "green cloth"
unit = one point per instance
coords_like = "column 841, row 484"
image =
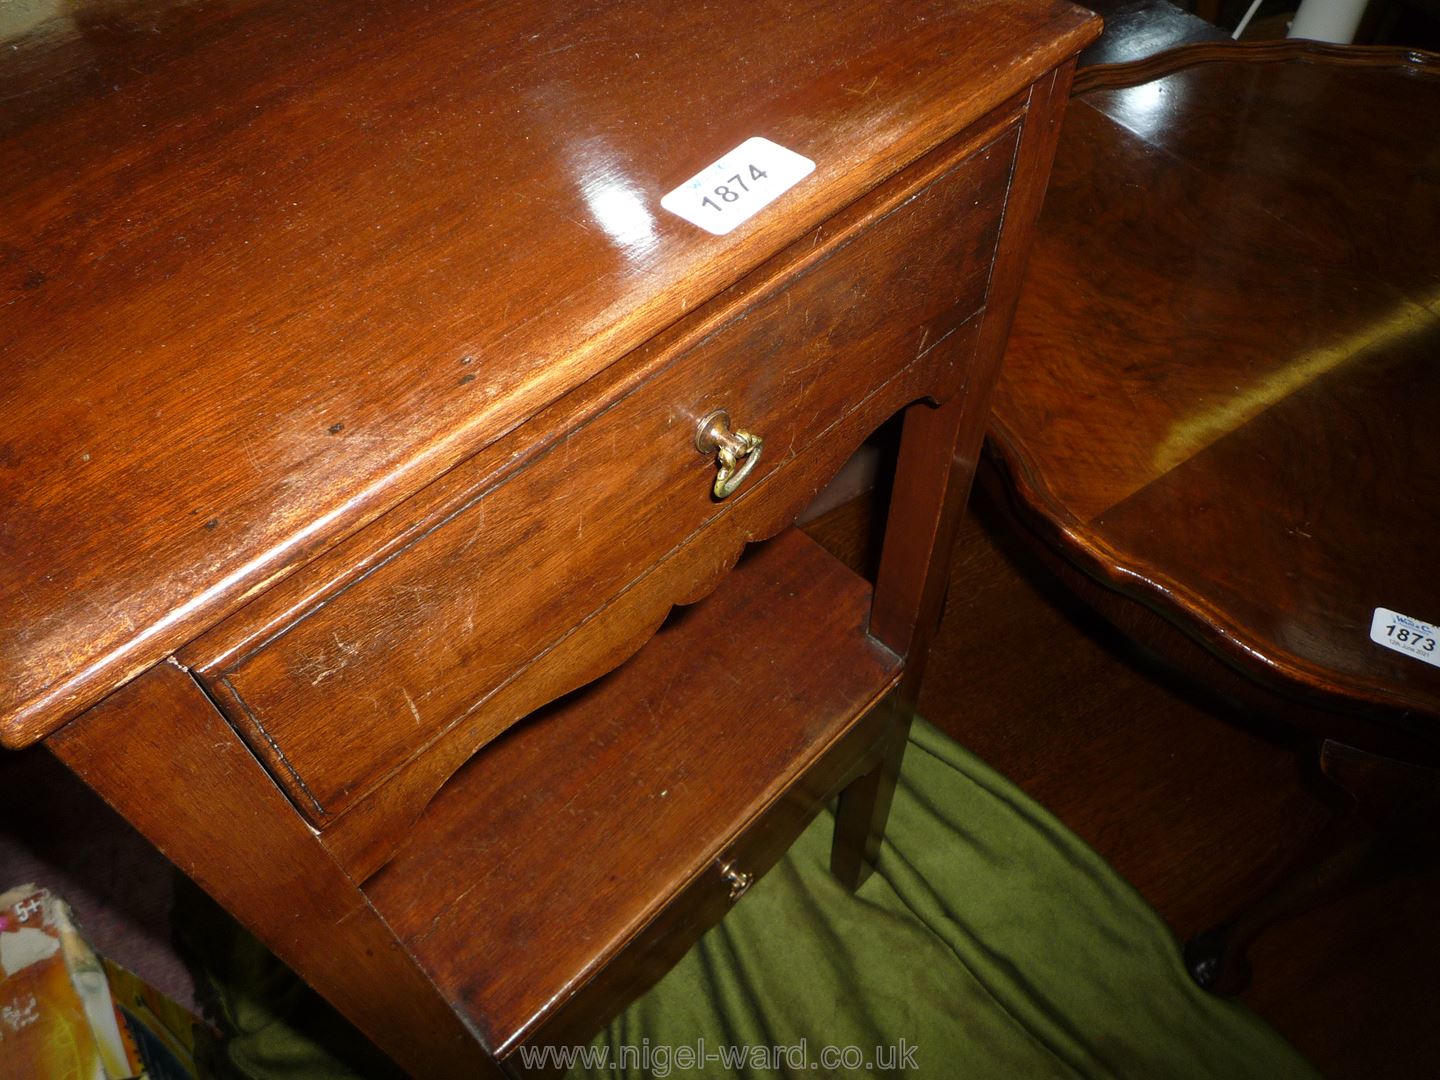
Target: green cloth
column 272, row 1026
column 991, row 940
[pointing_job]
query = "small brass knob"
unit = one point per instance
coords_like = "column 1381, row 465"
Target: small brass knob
column 738, row 880
column 736, row 452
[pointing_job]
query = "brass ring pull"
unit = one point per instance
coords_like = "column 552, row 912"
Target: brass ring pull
column 736, row 452
column 738, row 880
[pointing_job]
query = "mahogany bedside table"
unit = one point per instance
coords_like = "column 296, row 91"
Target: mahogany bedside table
column 372, row 396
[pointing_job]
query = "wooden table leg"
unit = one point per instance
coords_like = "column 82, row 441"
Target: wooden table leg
column 864, row 805
column 939, row 448
column 925, row 508
column 230, row 829
column 1388, row 822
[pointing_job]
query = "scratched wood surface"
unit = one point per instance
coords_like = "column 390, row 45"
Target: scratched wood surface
column 495, row 868
column 433, row 632
column 297, row 283
column 270, row 267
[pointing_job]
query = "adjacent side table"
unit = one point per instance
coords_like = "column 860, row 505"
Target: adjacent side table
column 1216, row 419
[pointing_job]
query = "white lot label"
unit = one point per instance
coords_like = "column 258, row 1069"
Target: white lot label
column 738, row 186
column 1404, row 634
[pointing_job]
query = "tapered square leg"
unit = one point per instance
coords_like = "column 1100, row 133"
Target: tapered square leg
column 864, row 807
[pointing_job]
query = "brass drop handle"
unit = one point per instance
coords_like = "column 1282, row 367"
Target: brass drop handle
column 736, row 452
column 738, row 880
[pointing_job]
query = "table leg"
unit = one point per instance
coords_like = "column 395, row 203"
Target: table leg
column 939, row 448
column 864, row 805
column 159, row 752
column 1387, row 822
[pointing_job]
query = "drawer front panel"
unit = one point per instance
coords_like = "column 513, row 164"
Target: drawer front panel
column 375, row 673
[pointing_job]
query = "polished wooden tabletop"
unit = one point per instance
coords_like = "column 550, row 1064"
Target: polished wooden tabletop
column 268, row 268
column 1222, row 388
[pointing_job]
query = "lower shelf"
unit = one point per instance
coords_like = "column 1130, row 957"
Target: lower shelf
column 605, row 824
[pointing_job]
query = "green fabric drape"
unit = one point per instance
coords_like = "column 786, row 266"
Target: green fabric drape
column 990, row 943
column 991, row 939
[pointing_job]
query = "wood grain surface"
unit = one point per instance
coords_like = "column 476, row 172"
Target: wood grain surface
column 338, row 320
column 1221, row 385
column 497, row 867
column 373, row 826
column 272, row 267
column 271, row 870
column 438, row 627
